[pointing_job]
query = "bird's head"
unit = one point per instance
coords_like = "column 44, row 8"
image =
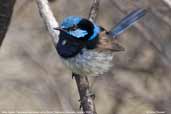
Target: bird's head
column 76, row 33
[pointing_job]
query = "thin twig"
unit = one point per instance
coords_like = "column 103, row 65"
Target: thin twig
column 94, row 10
column 6, row 10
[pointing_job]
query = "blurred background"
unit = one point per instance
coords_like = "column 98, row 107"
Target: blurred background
column 32, row 77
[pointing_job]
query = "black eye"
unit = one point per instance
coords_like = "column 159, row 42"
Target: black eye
column 74, row 27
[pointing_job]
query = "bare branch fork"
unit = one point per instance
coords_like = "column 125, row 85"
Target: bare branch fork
column 87, row 101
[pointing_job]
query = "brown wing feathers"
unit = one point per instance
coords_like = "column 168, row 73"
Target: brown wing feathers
column 107, row 43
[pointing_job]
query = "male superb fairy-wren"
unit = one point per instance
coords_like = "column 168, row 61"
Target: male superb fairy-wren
column 86, row 48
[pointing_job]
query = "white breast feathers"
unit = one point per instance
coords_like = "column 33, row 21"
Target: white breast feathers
column 90, row 62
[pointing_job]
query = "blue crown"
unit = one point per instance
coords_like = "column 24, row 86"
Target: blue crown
column 70, row 21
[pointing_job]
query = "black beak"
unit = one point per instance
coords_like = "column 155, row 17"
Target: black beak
column 64, row 33
column 60, row 29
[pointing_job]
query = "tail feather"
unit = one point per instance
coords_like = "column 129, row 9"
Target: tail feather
column 127, row 22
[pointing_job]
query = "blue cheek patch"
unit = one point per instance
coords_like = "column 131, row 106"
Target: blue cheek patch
column 70, row 21
column 78, row 33
column 96, row 31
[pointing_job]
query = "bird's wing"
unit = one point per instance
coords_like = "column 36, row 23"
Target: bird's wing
column 108, row 44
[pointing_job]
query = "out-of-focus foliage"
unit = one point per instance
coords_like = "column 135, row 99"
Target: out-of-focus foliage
column 33, row 78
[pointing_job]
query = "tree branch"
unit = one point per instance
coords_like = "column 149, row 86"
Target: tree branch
column 87, row 102
column 94, row 10
column 86, row 99
column 48, row 19
column 168, row 2
column 6, row 10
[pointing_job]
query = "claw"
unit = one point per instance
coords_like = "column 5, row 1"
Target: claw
column 73, row 75
column 93, row 96
column 81, row 102
column 80, row 106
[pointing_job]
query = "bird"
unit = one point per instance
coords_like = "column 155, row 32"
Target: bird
column 87, row 48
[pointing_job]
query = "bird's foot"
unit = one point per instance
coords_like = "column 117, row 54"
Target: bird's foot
column 73, row 75
column 92, row 95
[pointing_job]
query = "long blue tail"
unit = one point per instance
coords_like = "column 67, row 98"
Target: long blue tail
column 127, row 22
